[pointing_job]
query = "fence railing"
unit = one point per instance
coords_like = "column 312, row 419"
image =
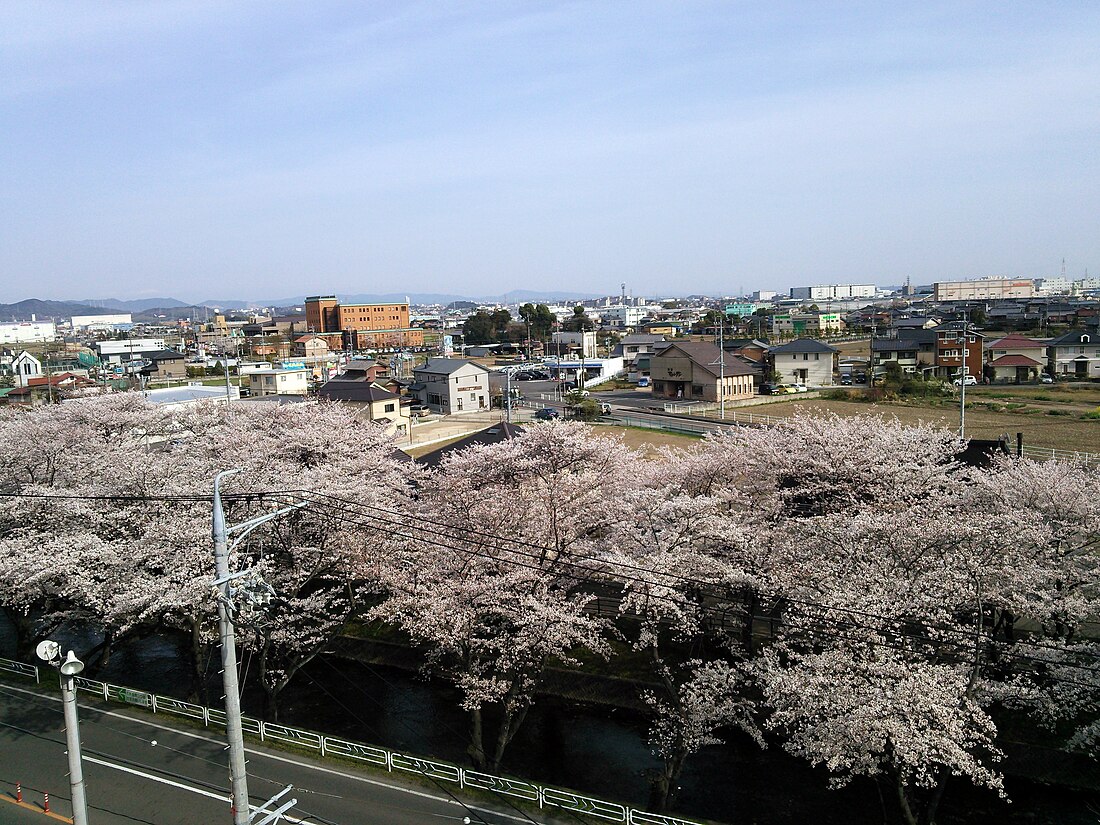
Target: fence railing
column 545, row 796
column 1052, row 454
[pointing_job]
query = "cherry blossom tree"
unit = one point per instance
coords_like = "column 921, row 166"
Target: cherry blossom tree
column 489, row 583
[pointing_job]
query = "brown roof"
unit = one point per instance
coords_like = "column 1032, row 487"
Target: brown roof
column 1016, row 342
column 1014, row 361
column 706, row 356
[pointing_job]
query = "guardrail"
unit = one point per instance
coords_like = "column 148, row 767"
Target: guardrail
column 1052, row 454
column 545, row 796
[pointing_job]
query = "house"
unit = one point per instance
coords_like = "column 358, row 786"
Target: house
column 1075, row 354
column 25, row 367
column 804, row 361
column 279, row 382
column 956, row 341
column 451, row 386
column 699, row 372
column 903, row 352
column 372, row 402
column 1015, row 358
column 41, row 389
column 165, row 363
column 310, row 347
column 364, row 369
column 631, row 347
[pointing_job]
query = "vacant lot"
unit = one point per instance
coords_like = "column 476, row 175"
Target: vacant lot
column 1040, row 428
column 642, row 439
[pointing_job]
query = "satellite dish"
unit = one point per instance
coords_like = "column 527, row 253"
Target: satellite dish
column 72, row 665
column 48, row 650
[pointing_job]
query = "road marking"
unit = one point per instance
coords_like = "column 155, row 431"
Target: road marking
column 174, row 784
column 279, row 758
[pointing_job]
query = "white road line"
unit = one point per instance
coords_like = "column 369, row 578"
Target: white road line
column 279, row 758
column 200, row 791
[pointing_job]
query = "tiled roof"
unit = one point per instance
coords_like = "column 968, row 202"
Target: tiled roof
column 804, row 345
column 1014, row 361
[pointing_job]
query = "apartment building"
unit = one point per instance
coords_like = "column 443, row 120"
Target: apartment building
column 833, row 292
column 363, row 326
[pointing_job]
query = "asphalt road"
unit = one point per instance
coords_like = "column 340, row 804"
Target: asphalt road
column 138, row 769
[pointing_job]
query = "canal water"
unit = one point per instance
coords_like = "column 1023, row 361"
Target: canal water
column 595, row 750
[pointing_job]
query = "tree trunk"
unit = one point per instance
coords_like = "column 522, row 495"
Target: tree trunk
column 903, row 801
column 934, row 800
column 508, row 727
column 752, row 604
column 476, row 748
column 663, row 791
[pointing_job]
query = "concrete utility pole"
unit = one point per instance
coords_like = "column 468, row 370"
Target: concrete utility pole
column 258, row 594
column 962, row 378
column 234, row 732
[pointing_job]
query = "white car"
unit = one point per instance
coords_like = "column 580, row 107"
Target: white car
column 969, row 381
column 1046, row 379
column 801, row 388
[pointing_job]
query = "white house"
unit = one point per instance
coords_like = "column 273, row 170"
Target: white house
column 452, row 386
column 1076, row 354
column 25, row 367
column 804, row 361
column 279, row 382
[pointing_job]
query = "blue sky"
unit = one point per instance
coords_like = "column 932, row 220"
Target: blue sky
column 214, row 150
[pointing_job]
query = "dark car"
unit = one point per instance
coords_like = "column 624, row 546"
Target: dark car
column 547, row 414
column 523, row 376
column 846, row 380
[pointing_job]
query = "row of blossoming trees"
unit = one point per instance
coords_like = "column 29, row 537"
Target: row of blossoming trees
column 841, row 588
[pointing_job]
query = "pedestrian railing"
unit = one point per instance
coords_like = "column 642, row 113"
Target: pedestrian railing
column 543, row 795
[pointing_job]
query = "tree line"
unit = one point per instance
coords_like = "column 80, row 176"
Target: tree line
column 841, row 588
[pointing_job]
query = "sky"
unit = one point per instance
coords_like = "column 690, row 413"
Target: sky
column 214, row 151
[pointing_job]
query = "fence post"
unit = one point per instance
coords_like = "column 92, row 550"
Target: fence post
column 106, row 696
column 153, row 702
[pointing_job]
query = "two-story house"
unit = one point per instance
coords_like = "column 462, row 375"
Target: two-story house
column 699, row 372
column 372, row 402
column 1015, row 358
column 804, row 361
column 451, row 386
column 1075, row 354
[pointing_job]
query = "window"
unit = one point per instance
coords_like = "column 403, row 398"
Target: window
column 473, row 396
column 817, row 356
column 696, row 389
column 389, row 408
column 805, row 356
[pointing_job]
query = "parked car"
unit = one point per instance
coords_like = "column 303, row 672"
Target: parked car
column 800, row 388
column 546, row 414
column 643, row 382
column 605, row 408
column 968, row 380
column 1046, row 379
column 420, row 410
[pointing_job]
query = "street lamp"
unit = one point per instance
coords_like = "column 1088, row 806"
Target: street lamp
column 69, row 666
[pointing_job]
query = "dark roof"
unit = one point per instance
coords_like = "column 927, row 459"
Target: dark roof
column 336, row 390
column 164, row 355
column 493, row 434
column 1074, row 337
column 642, row 339
column 804, row 345
column 894, row 344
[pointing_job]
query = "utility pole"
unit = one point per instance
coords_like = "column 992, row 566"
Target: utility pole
column 257, row 594
column 234, row 733
column 962, row 379
column 508, row 396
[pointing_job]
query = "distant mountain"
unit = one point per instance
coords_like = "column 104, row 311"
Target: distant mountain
column 371, row 298
column 45, row 310
column 231, row 304
column 522, row 296
column 133, row 306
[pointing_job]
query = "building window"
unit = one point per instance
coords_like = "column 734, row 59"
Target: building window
column 696, row 389
column 389, row 408
column 817, row 356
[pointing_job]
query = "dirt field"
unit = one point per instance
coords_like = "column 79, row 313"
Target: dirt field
column 641, row 439
column 1040, row 428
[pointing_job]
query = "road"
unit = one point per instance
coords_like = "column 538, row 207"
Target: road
column 141, row 770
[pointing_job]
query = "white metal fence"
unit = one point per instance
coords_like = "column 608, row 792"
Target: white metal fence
column 543, row 795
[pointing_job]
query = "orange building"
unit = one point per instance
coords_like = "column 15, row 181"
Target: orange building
column 364, row 326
